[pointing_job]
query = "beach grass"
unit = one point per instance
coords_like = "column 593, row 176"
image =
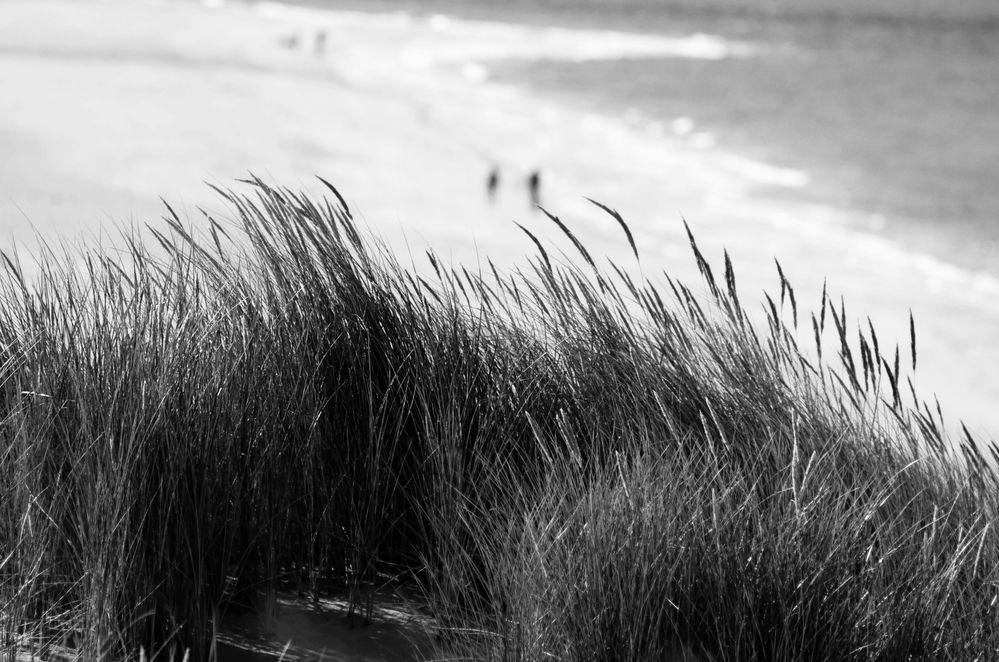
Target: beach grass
column 574, row 461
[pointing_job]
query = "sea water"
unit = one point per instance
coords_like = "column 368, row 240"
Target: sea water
column 892, row 117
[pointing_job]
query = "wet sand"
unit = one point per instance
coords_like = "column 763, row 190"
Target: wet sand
column 109, row 105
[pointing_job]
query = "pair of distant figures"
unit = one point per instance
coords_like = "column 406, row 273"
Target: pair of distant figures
column 293, row 42
column 533, row 186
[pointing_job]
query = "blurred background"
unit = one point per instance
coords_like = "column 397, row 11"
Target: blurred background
column 854, row 140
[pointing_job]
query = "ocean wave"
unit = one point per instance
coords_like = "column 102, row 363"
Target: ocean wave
column 759, row 172
column 444, row 39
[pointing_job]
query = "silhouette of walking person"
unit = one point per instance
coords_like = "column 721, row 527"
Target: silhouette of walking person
column 320, row 42
column 492, row 183
column 534, row 188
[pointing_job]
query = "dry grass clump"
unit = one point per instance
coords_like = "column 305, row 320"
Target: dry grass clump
column 574, row 463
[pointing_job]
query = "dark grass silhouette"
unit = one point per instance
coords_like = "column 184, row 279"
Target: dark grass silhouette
column 573, row 463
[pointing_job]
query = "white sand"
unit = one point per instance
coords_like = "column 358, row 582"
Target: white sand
column 106, row 106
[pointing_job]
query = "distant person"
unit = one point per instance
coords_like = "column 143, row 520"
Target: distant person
column 492, row 183
column 290, row 42
column 320, row 42
column 534, row 188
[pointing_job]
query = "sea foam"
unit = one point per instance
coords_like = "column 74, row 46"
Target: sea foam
column 449, row 39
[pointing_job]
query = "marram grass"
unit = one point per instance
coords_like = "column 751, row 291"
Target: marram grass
column 574, row 464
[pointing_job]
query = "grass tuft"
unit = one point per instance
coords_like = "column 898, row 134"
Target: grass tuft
column 574, row 464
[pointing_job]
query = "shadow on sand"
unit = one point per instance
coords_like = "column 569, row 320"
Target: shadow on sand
column 302, row 630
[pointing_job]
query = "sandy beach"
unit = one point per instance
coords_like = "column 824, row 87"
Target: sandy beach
column 108, row 106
